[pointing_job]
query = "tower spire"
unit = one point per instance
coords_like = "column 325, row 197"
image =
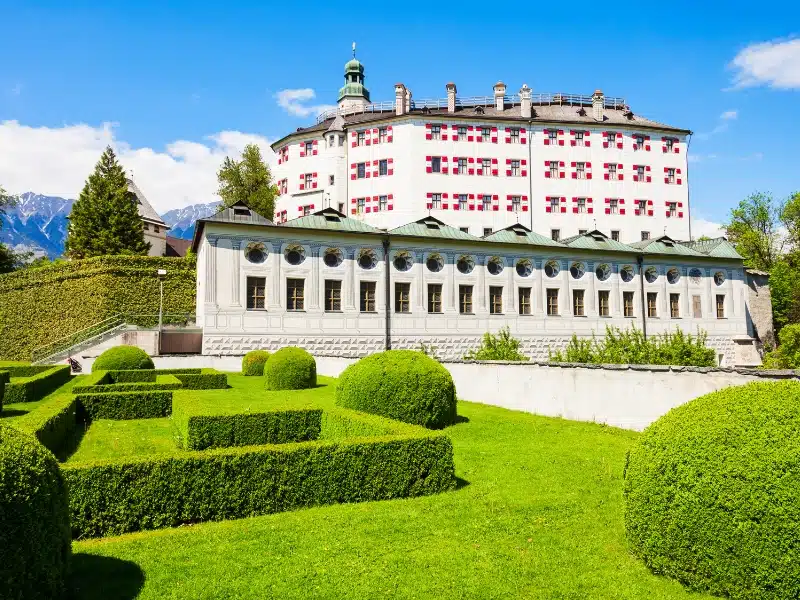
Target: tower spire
column 353, row 95
column 354, row 49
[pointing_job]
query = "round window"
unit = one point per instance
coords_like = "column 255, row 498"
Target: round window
column 577, row 270
column 256, row 255
column 695, row 276
column 719, row 277
column 551, row 269
column 651, row 275
column 495, row 265
column 333, row 257
column 524, row 268
column 465, row 264
column 626, row 273
column 435, row 263
column 603, row 272
column 367, row 259
column 295, row 255
column 673, row 275
column 403, row 262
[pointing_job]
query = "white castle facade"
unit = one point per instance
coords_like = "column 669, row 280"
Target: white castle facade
column 407, row 224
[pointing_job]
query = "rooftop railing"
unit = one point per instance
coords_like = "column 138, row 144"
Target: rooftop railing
column 472, row 101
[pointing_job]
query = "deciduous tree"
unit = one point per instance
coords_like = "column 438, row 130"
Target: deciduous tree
column 248, row 180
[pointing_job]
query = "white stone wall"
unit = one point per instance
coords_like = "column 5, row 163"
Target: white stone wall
column 158, row 241
column 409, row 184
column 230, row 328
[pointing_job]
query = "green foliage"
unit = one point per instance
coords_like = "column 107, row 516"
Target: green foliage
column 199, row 432
column 33, row 387
column 498, row 347
column 209, row 379
column 629, row 347
column 290, row 368
column 165, row 382
column 787, row 354
column 53, row 427
column 4, row 379
column 59, row 300
column 784, row 290
column 105, row 217
column 9, row 260
column 125, row 405
column 108, row 498
column 248, row 181
column 152, row 379
column 35, row 543
column 123, row 358
column 754, row 229
column 712, row 496
column 400, row 384
column 253, row 362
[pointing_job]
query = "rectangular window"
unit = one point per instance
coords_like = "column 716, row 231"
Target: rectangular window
column 720, row 306
column 611, row 137
column 652, row 304
column 402, row 297
column 514, row 135
column 309, row 148
column 555, row 234
column 615, row 235
column 436, row 201
column 331, row 179
column 333, row 295
column 697, row 312
column 577, row 303
column 553, row 169
column 383, row 167
column 436, row 164
column 581, row 205
column 462, row 131
column 495, row 300
column 465, row 299
column 360, row 138
column 486, row 166
column 638, row 142
column 524, row 300
column 486, row 133
column 361, row 170
column 486, row 200
column 306, row 210
column 627, row 304
column 308, row 178
column 341, row 207
column 603, row 303
column 156, row 229
column 642, row 207
column 360, row 203
column 295, row 294
column 552, row 302
column 580, row 170
column 146, row 227
column 436, row 132
column 674, row 306
column 613, row 206
column 673, row 209
column 612, row 171
column 670, row 176
column 464, row 229
column 461, row 169
column 582, row 231
column 462, row 202
column 367, row 296
column 256, row 293
column 554, row 201
column 552, row 136
column 640, row 175
column 645, row 235
column 579, row 138
column 434, row 297
column 487, row 231
column 382, row 202
column 515, row 168
column 382, row 135
column 516, row 203
column 669, row 143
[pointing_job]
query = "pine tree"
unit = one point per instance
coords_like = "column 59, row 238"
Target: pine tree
column 249, row 181
column 105, row 218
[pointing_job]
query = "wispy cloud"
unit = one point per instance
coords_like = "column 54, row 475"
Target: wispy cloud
column 295, row 102
column 729, row 115
column 704, row 227
column 16, row 90
column 724, row 120
column 775, row 64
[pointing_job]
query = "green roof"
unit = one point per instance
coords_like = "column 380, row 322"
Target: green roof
column 519, row 234
column 596, row 240
column 431, row 227
column 353, row 65
column 330, row 219
column 717, row 247
column 665, row 245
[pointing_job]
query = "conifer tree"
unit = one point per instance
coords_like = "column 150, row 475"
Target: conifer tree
column 249, row 181
column 105, row 218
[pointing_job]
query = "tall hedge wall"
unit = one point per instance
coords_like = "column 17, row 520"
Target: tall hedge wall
column 55, row 301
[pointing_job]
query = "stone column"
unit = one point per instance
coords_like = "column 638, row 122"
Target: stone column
column 565, row 307
column 590, row 303
column 664, row 312
column 538, row 301
column 452, row 259
column 315, row 289
column 274, row 296
column 419, row 269
column 686, row 304
column 509, row 304
column 235, row 247
column 710, row 306
column 211, row 270
column 616, row 296
column 480, row 264
column 350, row 278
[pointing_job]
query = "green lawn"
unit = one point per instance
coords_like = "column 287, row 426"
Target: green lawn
column 538, row 515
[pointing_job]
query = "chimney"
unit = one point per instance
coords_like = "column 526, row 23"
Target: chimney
column 598, row 101
column 451, row 97
column 408, row 100
column 399, row 99
column 525, row 101
column 499, row 96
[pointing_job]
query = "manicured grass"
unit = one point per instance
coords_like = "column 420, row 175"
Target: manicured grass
column 539, row 515
column 107, row 438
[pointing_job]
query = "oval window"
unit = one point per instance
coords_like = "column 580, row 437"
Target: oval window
column 367, row 259
column 626, row 274
column 602, row 272
column 333, row 257
column 577, row 270
column 551, row 268
column 403, row 262
column 435, row 263
column 524, row 268
column 295, row 255
column 651, row 274
column 719, row 277
column 465, row 264
column 495, row 265
column 673, row 276
column 695, row 276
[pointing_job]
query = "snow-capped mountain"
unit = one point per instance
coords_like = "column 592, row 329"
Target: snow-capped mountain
column 39, row 223
column 181, row 220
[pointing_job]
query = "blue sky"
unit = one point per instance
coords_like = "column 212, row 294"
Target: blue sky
column 177, row 84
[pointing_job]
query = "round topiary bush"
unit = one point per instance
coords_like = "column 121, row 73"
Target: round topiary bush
column 34, row 519
column 253, row 362
column 400, row 384
column 123, row 358
column 712, row 492
column 290, row 369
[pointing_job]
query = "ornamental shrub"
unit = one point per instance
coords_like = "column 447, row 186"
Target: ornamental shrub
column 30, row 388
column 253, row 362
column 712, row 492
column 123, row 358
column 290, row 368
column 34, row 519
column 787, row 354
column 400, row 384
column 4, row 379
column 498, row 347
column 142, row 404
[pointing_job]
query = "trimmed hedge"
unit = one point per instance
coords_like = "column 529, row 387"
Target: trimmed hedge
column 253, row 362
column 209, row 379
column 712, row 492
column 109, row 498
column 121, row 381
column 56, row 301
column 23, row 369
column 400, row 384
column 37, row 386
column 52, row 425
column 290, row 368
column 199, row 432
column 125, row 405
column 123, row 358
column 35, row 541
column 168, row 382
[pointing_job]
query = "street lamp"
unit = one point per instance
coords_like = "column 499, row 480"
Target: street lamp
column 161, row 274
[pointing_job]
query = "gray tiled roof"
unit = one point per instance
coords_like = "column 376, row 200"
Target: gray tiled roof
column 146, row 211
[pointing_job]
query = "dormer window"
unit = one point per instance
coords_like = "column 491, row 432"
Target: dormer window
column 241, row 212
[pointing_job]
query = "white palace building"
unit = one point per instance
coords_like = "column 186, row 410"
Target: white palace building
column 433, row 222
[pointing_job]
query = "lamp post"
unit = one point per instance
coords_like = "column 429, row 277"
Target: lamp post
column 161, row 274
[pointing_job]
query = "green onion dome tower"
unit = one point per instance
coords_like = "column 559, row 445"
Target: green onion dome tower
column 353, row 94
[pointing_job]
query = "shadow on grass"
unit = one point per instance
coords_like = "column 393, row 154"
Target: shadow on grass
column 460, row 419
column 102, row 577
column 12, row 412
column 72, row 442
column 461, row 483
